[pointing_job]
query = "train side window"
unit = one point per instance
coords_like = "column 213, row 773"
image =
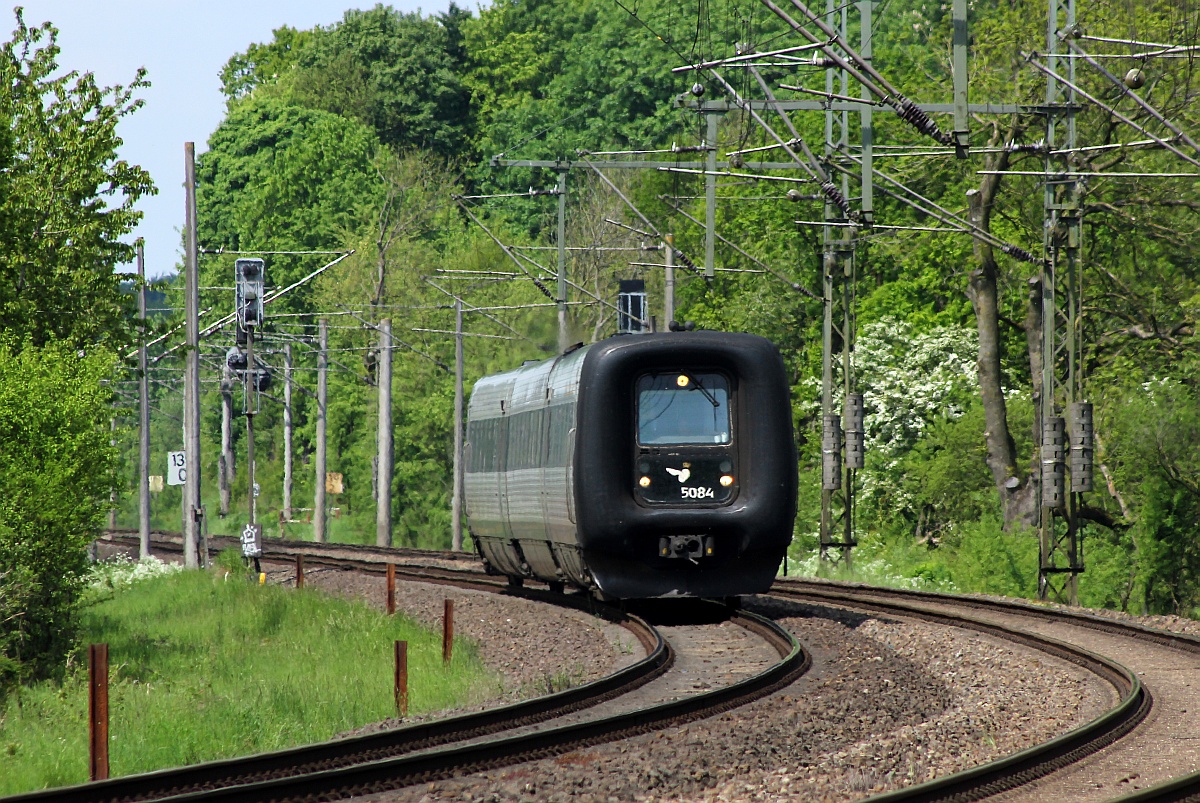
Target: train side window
column 491, row 435
column 524, row 440
column 561, row 421
column 500, row 435
column 516, row 443
column 472, row 438
column 683, row 407
column 482, row 456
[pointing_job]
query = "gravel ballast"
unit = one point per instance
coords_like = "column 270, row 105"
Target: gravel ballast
column 887, row 704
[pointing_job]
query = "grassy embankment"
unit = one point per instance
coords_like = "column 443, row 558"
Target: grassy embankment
column 204, row 666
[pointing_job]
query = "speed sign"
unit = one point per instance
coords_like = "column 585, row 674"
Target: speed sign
column 176, row 468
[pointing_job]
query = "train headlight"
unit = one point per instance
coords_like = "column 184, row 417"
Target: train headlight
column 682, row 380
column 726, row 480
column 644, row 482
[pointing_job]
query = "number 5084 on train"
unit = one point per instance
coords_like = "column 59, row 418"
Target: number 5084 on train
column 641, row 466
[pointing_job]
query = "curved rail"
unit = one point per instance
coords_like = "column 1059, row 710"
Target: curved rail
column 395, row 773
column 1027, row 765
column 385, row 744
column 422, row 752
column 1180, row 790
column 1092, row 621
column 283, row 546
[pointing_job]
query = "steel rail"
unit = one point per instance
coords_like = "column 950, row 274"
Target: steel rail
column 1026, row 766
column 1092, row 621
column 382, row 745
column 308, row 772
column 279, row 547
column 404, row 771
column 977, row 783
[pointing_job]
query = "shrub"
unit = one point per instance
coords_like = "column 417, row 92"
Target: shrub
column 57, row 467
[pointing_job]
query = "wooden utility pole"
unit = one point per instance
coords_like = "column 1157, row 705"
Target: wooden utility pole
column 669, row 272
column 143, row 412
column 383, row 495
column 191, row 376
column 319, row 458
column 225, row 462
column 287, row 432
column 563, row 332
column 456, row 539
column 98, row 712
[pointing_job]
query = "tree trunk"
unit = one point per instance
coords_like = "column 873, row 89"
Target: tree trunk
column 1016, row 492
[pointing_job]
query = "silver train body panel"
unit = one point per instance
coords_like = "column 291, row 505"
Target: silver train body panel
column 520, row 504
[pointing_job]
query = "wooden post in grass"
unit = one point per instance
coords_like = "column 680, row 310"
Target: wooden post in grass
column 391, row 589
column 98, row 712
column 447, row 631
column 299, row 571
column 401, row 678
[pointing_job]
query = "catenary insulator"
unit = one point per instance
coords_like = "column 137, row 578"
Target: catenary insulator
column 854, row 430
column 1082, row 446
column 1053, row 468
column 831, row 453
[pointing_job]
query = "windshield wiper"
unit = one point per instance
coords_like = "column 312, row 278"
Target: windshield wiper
column 704, row 390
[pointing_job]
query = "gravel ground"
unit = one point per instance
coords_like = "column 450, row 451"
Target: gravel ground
column 887, row 704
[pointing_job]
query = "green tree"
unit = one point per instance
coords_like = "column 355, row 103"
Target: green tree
column 1150, row 460
column 263, row 64
column 280, row 177
column 65, row 197
column 57, row 466
column 397, row 73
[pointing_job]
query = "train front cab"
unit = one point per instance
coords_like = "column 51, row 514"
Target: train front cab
column 685, row 465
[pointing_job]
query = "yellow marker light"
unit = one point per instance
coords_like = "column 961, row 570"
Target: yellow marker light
column 708, row 551
column 644, row 482
column 682, row 380
column 726, row 480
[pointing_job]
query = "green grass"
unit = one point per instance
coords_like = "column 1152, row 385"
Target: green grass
column 206, row 667
column 976, row 557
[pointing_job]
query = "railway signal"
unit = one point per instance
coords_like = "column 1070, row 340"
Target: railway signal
column 238, row 362
column 249, row 275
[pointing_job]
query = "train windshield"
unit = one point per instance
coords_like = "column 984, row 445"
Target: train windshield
column 681, row 407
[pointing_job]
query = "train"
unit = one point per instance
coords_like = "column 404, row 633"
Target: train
column 641, row 466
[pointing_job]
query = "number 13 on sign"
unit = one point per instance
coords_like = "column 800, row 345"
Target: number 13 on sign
column 176, row 468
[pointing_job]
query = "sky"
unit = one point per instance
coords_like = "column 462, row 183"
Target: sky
column 182, row 44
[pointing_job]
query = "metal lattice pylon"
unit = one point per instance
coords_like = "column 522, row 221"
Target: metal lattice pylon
column 1060, row 555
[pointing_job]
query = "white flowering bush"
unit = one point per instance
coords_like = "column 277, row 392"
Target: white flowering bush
column 909, row 379
column 122, row 572
column 874, row 569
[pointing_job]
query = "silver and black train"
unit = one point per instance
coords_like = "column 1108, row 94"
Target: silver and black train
column 640, row 466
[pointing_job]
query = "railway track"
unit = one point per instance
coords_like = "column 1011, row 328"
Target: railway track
column 1096, row 761
column 414, row 754
column 1148, row 740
